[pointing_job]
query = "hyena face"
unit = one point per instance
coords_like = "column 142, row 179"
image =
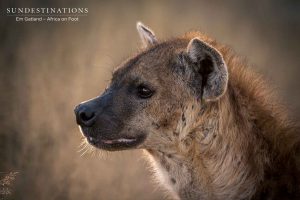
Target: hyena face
column 144, row 105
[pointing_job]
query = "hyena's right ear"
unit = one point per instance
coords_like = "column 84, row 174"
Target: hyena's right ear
column 212, row 68
column 146, row 34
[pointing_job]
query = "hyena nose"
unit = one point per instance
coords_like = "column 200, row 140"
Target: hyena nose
column 85, row 116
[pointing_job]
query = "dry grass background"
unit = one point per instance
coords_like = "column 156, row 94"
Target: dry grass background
column 48, row 68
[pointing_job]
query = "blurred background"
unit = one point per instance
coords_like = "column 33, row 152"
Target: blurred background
column 48, row 68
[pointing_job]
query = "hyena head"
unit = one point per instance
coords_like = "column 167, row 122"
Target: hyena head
column 145, row 103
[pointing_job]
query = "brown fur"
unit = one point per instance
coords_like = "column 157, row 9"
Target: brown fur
column 242, row 146
column 223, row 138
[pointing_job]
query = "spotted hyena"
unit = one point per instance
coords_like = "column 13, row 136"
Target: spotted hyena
column 209, row 124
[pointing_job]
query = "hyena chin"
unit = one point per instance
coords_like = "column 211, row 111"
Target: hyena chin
column 209, row 125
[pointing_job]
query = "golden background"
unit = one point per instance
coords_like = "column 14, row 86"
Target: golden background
column 48, row 68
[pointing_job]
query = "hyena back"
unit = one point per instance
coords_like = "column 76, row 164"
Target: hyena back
column 209, row 125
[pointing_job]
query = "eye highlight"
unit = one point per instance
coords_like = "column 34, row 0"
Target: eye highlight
column 144, row 92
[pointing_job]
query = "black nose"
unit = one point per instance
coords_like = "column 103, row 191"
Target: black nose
column 85, row 116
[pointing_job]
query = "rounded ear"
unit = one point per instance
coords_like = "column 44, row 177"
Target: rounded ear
column 146, row 34
column 212, row 68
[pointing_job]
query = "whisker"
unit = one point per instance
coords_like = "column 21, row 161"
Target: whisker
column 82, row 143
column 81, row 149
column 84, row 152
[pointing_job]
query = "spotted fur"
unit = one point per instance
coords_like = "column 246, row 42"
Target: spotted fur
column 241, row 146
column 211, row 127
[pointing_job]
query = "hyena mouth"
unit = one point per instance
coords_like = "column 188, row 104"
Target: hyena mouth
column 120, row 140
column 115, row 144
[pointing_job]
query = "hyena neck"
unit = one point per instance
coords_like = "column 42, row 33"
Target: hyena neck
column 245, row 149
column 226, row 148
column 204, row 147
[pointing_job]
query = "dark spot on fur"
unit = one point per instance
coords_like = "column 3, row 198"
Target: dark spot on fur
column 173, row 180
column 169, row 156
column 187, row 142
column 157, row 126
column 205, row 132
column 175, row 133
column 183, row 117
column 163, row 162
column 203, row 108
column 167, row 166
column 164, row 123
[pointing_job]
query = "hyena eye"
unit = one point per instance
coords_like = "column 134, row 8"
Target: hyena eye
column 144, row 92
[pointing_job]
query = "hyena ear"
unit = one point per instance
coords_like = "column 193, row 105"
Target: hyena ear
column 212, row 68
column 146, row 34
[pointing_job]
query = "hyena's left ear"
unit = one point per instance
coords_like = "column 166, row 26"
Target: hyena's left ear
column 212, row 68
column 146, row 34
